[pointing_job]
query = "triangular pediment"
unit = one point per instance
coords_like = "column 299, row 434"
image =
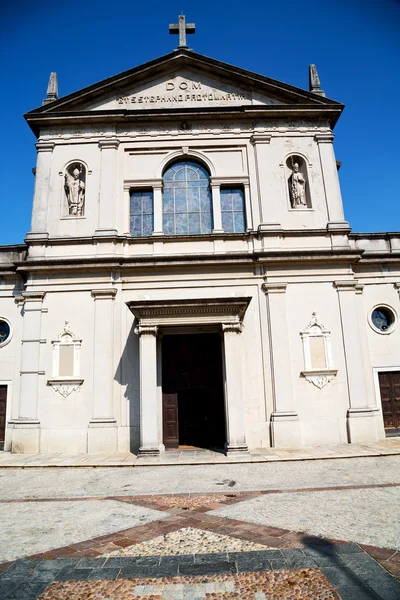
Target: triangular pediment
column 185, row 88
column 181, row 80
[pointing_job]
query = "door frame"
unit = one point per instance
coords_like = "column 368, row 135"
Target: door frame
column 9, row 384
column 199, row 329
column 376, row 371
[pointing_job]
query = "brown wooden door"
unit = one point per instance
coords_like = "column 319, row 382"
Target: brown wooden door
column 389, row 384
column 3, row 404
column 170, row 420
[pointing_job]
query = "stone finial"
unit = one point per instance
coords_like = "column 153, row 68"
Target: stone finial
column 52, row 89
column 314, row 82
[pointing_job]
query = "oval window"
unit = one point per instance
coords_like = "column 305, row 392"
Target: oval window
column 5, row 332
column 383, row 319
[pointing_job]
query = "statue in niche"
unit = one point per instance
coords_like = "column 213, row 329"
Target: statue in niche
column 297, row 187
column 74, row 186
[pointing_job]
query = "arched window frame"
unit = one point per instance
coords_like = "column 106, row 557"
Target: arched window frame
column 190, row 207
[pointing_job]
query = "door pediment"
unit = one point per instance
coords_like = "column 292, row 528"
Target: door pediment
column 203, row 311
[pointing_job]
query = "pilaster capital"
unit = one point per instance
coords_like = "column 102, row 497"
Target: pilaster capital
column 324, row 138
column 45, row 146
column 146, row 330
column 232, row 180
column 143, row 183
column 260, row 138
column 274, row 288
column 347, row 286
column 33, row 296
column 110, row 144
column 104, row 294
column 235, row 327
column 359, row 287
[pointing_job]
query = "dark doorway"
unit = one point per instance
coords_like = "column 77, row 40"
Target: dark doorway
column 3, row 407
column 192, row 385
column 389, row 384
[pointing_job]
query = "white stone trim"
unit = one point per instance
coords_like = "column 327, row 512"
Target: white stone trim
column 318, row 377
column 66, row 384
column 187, row 154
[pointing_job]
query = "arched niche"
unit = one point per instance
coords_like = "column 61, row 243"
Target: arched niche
column 74, row 189
column 298, row 182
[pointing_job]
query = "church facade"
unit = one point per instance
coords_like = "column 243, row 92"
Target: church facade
column 189, row 278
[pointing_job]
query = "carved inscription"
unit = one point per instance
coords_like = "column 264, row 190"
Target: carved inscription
column 194, row 92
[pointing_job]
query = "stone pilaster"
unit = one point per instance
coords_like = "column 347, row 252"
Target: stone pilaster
column 216, row 204
column 157, row 207
column 102, row 435
column 267, row 200
column 285, row 425
column 42, row 189
column 234, row 402
column 149, row 444
column 108, row 175
column 361, row 424
column 26, row 427
column 331, row 182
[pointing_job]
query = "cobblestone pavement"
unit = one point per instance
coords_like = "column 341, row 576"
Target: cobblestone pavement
column 315, row 530
column 352, row 515
column 74, row 482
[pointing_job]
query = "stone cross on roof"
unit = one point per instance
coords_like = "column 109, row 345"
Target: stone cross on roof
column 182, row 28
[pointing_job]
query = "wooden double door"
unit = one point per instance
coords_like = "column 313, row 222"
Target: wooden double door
column 3, row 407
column 389, row 384
column 192, row 385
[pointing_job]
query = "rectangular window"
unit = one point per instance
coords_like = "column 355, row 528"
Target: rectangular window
column 141, row 213
column 233, row 210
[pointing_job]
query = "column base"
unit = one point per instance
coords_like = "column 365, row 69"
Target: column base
column 37, row 236
column 105, row 233
column 25, row 436
column 149, row 452
column 267, row 227
column 361, row 425
column 285, row 430
column 235, row 449
column 102, row 436
column 338, row 226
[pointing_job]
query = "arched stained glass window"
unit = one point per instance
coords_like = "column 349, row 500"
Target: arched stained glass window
column 187, row 204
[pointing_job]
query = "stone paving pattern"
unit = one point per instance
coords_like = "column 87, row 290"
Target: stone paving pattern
column 334, row 514
column 188, row 540
column 56, row 483
column 34, row 527
column 347, row 568
column 305, row 584
column 199, row 515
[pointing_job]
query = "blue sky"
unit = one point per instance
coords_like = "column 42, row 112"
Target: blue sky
column 354, row 43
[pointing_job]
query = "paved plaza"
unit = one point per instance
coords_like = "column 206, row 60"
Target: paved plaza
column 311, row 529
